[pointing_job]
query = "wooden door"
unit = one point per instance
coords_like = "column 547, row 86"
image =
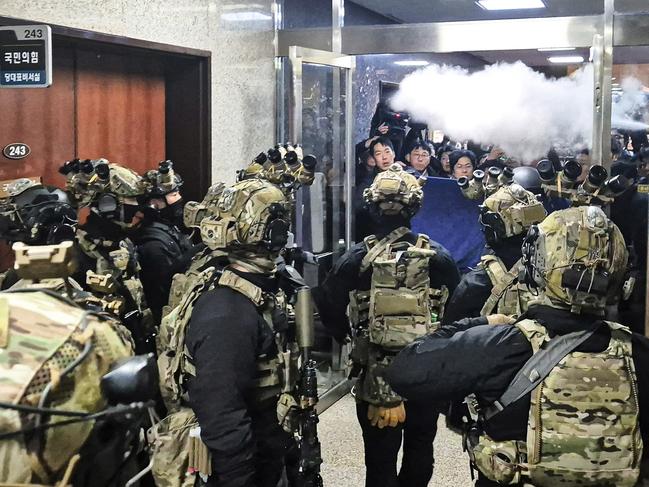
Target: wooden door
column 120, row 109
column 42, row 118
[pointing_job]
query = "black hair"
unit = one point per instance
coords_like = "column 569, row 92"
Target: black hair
column 383, row 140
column 445, row 148
column 365, row 155
column 456, row 155
column 422, row 144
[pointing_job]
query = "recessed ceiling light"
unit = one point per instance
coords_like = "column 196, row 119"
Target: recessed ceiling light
column 412, row 62
column 551, row 49
column 566, row 59
column 510, row 4
column 245, row 16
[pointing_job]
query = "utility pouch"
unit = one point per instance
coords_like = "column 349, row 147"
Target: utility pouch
column 398, row 316
column 499, row 461
column 175, row 452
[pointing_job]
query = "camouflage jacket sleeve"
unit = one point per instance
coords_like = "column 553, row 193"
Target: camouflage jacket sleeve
column 640, row 347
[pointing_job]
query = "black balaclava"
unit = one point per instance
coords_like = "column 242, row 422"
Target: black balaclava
column 508, row 249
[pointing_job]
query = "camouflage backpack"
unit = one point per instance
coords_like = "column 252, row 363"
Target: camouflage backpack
column 52, row 354
column 401, row 306
column 508, row 295
column 583, row 425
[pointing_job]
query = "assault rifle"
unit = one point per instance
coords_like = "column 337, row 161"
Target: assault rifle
column 306, row 417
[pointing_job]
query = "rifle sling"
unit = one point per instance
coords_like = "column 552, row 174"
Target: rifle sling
column 537, row 368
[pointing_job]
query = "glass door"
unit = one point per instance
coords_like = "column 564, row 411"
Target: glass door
column 320, row 118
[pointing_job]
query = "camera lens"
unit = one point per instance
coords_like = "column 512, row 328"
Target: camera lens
column 478, row 174
column 165, row 166
column 463, row 182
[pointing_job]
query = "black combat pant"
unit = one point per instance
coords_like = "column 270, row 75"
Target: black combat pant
column 382, row 446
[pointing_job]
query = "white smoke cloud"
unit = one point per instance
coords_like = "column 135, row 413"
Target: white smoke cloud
column 509, row 105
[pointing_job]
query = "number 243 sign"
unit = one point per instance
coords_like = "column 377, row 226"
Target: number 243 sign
column 16, row 151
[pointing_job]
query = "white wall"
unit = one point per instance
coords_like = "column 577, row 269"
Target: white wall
column 238, row 32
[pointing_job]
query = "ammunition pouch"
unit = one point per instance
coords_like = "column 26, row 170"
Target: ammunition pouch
column 178, row 453
column 500, row 461
column 398, row 317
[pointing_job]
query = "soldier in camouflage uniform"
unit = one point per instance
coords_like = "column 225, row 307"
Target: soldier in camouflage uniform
column 395, row 283
column 225, row 351
column 560, row 396
column 493, row 287
column 107, row 258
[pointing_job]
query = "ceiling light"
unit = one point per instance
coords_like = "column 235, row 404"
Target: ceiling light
column 412, row 62
column 245, row 16
column 510, row 4
column 566, row 59
column 551, row 49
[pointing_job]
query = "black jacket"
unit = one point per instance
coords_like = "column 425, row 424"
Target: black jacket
column 226, row 335
column 332, row 297
column 160, row 251
column 473, row 357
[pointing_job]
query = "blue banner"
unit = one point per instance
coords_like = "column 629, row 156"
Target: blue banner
column 451, row 220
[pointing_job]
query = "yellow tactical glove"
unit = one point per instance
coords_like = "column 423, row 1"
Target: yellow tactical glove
column 499, row 319
column 383, row 416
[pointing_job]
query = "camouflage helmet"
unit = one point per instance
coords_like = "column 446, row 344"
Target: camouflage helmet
column 510, row 211
column 395, row 192
column 35, row 214
column 578, row 257
column 250, row 214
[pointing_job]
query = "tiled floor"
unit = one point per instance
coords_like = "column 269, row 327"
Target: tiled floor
column 342, row 451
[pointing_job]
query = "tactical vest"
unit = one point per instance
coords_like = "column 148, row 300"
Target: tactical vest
column 508, row 295
column 177, row 446
column 583, row 425
column 181, row 282
column 399, row 308
column 52, row 353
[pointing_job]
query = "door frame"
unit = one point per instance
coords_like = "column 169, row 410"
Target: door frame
column 189, row 141
column 297, row 57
